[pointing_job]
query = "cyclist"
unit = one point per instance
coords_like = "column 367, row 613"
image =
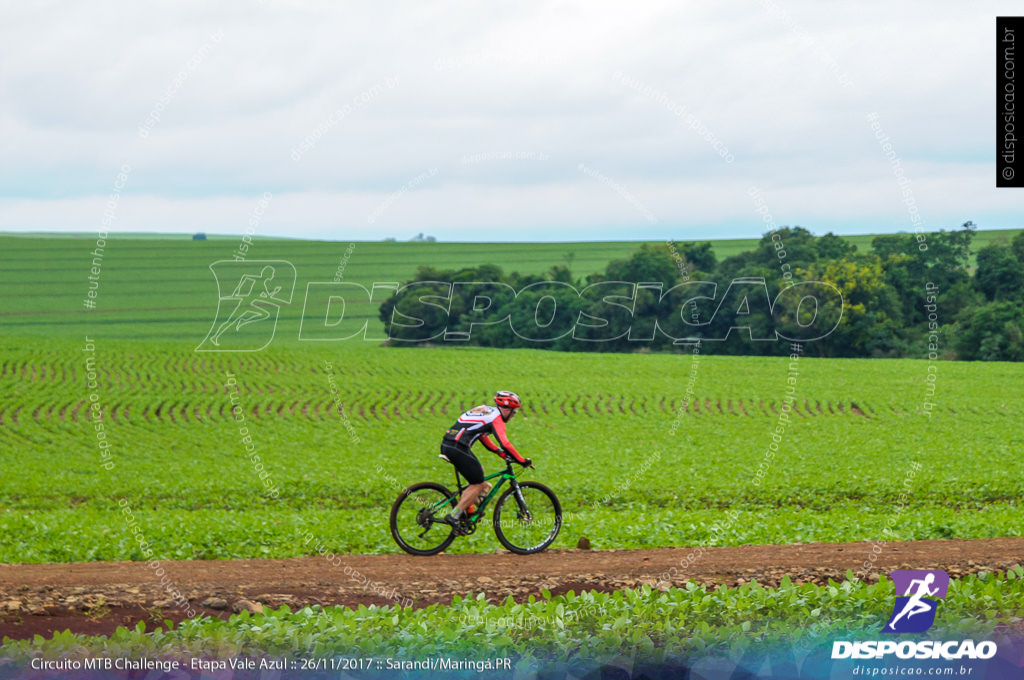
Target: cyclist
column 477, row 424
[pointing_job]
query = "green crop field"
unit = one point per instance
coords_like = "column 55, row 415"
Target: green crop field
column 163, row 289
column 643, row 449
column 119, row 441
column 340, row 430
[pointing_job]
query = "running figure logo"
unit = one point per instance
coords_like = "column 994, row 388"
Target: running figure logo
column 250, row 295
column 912, row 612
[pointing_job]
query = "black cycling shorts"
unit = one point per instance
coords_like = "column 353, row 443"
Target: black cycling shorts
column 465, row 462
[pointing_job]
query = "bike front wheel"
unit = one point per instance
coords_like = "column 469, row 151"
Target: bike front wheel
column 417, row 519
column 527, row 518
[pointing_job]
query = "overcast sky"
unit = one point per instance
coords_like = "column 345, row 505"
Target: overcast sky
column 499, row 121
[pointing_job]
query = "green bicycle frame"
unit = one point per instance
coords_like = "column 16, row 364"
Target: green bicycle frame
column 506, row 475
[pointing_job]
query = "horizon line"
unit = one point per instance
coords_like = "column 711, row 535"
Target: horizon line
column 231, row 236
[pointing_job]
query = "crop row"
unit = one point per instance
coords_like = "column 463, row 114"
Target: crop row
column 606, row 432
column 186, row 408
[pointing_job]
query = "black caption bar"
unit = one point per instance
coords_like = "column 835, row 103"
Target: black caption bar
column 1009, row 34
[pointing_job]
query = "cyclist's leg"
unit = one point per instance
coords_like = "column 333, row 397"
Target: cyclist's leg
column 469, row 466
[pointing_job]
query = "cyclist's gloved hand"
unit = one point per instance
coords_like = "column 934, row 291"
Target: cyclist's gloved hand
column 527, row 462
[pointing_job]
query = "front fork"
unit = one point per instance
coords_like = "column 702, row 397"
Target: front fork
column 524, row 512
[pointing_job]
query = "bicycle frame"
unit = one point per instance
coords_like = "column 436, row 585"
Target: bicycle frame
column 506, row 475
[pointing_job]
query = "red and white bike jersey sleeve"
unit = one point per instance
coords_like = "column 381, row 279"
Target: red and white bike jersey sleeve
column 478, row 423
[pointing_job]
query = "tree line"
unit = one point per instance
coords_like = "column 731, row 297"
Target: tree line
column 910, row 296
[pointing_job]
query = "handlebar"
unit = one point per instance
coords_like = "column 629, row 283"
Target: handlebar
column 511, row 459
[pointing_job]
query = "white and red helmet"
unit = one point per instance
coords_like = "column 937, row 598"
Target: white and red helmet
column 507, row 399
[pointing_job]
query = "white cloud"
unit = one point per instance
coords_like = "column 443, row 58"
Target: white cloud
column 79, row 79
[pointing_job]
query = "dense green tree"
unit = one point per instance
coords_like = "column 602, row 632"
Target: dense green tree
column 870, row 308
column 794, row 246
column 746, row 263
column 700, row 256
column 993, row 332
column 1017, row 246
column 560, row 273
column 832, row 247
column 1000, row 274
column 649, row 264
column 912, row 262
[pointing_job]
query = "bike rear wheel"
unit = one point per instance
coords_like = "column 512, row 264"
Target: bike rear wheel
column 527, row 519
column 418, row 526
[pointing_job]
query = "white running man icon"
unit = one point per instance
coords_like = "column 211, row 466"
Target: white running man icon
column 914, row 604
column 252, row 305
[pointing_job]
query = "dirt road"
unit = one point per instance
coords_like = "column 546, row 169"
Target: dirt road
column 97, row 597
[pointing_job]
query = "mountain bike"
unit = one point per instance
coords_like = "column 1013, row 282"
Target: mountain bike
column 527, row 516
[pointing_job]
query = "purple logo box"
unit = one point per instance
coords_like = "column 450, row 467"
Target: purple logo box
column 932, row 579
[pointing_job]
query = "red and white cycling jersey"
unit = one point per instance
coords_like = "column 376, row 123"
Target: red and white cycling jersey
column 478, row 423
